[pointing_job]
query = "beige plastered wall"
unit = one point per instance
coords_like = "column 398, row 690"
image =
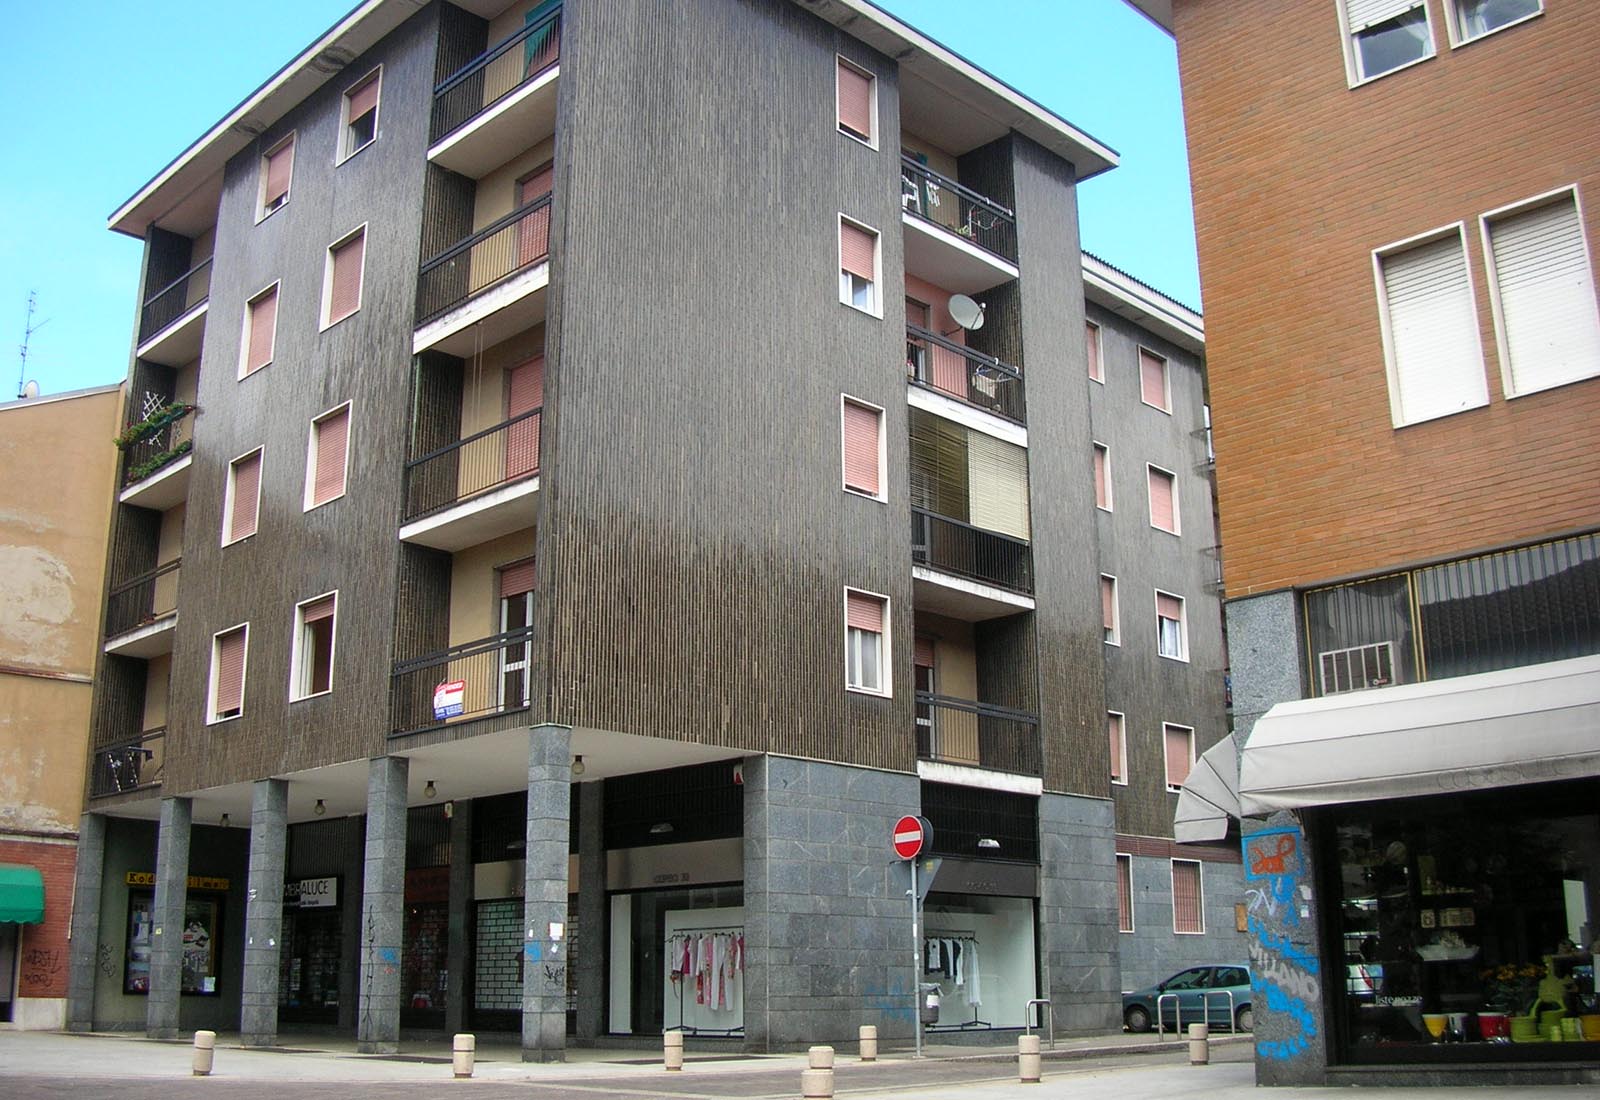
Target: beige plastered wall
column 474, row 601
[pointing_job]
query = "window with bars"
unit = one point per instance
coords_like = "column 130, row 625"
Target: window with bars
column 1356, row 668
column 962, row 816
column 1124, row 893
column 1188, row 898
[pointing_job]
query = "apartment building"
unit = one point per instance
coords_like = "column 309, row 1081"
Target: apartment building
column 1396, row 209
column 608, row 463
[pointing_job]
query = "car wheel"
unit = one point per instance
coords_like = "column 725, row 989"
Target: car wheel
column 1244, row 1019
column 1137, row 1018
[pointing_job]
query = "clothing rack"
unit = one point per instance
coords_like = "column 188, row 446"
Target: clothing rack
column 691, row 1029
column 960, row 936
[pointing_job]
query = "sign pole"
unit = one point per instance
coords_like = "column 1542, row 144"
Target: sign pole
column 916, row 961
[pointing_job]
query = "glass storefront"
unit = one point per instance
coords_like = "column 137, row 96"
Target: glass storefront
column 980, row 952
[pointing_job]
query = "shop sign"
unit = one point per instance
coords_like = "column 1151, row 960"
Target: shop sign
column 196, row 882
column 668, row 866
column 447, row 699
column 312, row 893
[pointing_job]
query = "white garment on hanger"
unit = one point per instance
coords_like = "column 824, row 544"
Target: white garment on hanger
column 974, row 986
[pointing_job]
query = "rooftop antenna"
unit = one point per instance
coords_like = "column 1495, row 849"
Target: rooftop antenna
column 28, row 329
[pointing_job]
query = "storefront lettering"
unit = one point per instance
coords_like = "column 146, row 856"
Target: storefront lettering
column 196, row 882
column 1510, row 775
column 311, row 893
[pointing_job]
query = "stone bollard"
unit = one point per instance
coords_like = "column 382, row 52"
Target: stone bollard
column 869, row 1043
column 205, row 1045
column 1028, row 1061
column 672, row 1050
column 817, row 1081
column 1199, row 1044
column 463, row 1054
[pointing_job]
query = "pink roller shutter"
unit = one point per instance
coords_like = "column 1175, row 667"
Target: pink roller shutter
column 855, row 101
column 280, row 166
column 1102, row 491
column 922, row 652
column 317, row 610
column 246, row 494
column 263, row 327
column 1162, row 510
column 1092, row 336
column 524, row 394
column 333, row 437
column 230, row 671
column 364, row 97
column 345, row 297
column 1186, row 897
column 1169, row 607
column 1124, row 893
column 864, row 612
column 516, row 578
column 1178, row 762
column 855, row 250
column 1108, row 603
column 1114, row 729
column 533, row 231
column 861, row 431
column 1153, row 380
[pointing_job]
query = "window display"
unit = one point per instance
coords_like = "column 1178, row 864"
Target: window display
column 202, row 930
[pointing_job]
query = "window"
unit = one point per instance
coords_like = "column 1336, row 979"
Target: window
column 1163, row 499
column 858, row 103
column 1171, row 630
column 858, row 267
column 1542, row 292
column 311, row 661
column 360, row 115
column 1091, row 332
column 225, row 695
column 1385, row 35
column 1188, row 899
column 341, row 283
column 277, row 166
column 242, row 499
column 1108, row 610
column 328, row 457
column 866, row 654
column 1154, row 389
column 1179, row 748
column 1430, row 329
column 260, row 330
column 1102, row 477
column 863, row 448
column 1124, row 893
column 1117, row 729
column 1472, row 19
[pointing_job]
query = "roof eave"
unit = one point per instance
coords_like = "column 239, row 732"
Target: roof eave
column 1167, row 317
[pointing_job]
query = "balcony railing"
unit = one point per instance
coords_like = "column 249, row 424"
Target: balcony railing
column 175, row 299
column 955, row 547
column 495, row 74
column 977, row 735
column 143, row 600
column 964, row 374
column 517, row 241
column 169, row 436
column 474, row 680
column 485, row 460
column 944, row 202
column 128, row 765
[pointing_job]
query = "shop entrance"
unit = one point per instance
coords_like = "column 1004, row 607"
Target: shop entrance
column 308, row 967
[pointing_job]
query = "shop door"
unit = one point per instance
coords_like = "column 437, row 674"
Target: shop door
column 308, row 967
column 8, row 968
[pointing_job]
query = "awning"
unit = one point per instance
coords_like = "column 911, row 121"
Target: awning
column 1210, row 796
column 21, row 894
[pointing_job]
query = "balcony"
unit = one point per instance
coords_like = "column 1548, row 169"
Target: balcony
column 156, row 456
column 955, row 238
column 474, row 489
column 489, row 286
column 494, row 103
column 972, row 377
column 141, row 613
column 172, row 323
column 967, row 572
column 128, row 765
column 479, row 679
column 977, row 735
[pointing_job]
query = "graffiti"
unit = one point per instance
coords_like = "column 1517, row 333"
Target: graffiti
column 1284, row 974
column 894, row 1001
column 1273, row 857
column 40, row 966
column 555, row 975
column 108, row 960
column 1263, row 863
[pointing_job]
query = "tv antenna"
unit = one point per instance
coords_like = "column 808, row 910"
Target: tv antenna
column 27, row 388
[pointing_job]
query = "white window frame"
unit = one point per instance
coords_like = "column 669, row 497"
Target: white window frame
column 1100, row 350
column 1111, row 500
column 1183, row 627
column 1125, row 859
column 299, row 673
column 345, row 152
column 1492, row 275
column 228, row 538
column 262, row 213
column 308, row 502
column 883, row 450
column 874, row 306
column 1177, row 511
column 1200, row 896
column 1352, row 60
column 274, row 287
column 886, row 691
column 324, row 323
column 1458, row 38
column 1122, row 735
column 871, row 140
column 212, row 718
column 1193, row 754
column 1116, row 610
column 1166, row 380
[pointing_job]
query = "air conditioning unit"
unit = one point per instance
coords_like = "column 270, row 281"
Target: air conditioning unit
column 1357, row 668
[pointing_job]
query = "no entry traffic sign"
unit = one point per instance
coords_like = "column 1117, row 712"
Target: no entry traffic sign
column 909, row 836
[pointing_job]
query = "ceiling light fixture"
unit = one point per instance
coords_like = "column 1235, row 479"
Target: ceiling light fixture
column 430, row 790
column 319, row 809
column 988, row 843
column 225, row 822
column 577, row 764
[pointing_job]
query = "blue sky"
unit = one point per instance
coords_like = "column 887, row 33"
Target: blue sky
column 101, row 95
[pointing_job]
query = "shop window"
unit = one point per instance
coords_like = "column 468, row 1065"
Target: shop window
column 202, row 947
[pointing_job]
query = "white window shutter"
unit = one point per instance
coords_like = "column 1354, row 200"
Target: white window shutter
column 1436, row 360
column 1550, row 330
column 1369, row 13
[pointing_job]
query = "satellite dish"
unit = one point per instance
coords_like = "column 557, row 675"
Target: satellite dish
column 965, row 312
column 30, row 389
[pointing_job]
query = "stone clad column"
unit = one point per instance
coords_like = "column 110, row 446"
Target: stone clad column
column 86, row 892
column 592, row 911
column 544, row 955
column 166, row 933
column 383, row 894
column 458, row 952
column 263, row 912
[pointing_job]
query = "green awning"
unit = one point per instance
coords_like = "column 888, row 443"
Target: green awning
column 21, row 894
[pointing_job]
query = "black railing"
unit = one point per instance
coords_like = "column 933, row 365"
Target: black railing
column 157, row 446
column 977, row 735
column 128, row 765
column 955, row 547
column 485, row 460
column 492, row 673
column 143, row 600
column 495, row 74
column 175, row 299
column 967, row 375
column 519, row 240
column 944, row 202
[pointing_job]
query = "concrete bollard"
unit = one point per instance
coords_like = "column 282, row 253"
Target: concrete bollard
column 1028, row 1061
column 817, row 1081
column 820, row 1057
column 1199, row 1044
column 869, row 1043
column 205, row 1047
column 672, row 1050
column 463, row 1054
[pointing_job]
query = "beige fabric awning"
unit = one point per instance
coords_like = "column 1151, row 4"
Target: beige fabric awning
column 1209, row 799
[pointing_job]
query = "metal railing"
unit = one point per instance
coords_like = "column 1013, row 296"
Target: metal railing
column 955, row 547
column 517, row 241
column 489, row 676
column 143, row 599
column 944, row 202
column 977, row 735
column 496, row 456
column 967, row 375
column 1205, row 1012
column 495, row 74
column 158, row 446
column 128, row 765
column 175, row 299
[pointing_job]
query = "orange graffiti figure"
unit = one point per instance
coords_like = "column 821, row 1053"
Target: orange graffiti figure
column 1273, row 863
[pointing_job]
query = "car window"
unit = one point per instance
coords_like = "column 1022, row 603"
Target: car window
column 1231, row 975
column 1188, row 979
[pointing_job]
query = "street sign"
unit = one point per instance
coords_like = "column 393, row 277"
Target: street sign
column 910, row 834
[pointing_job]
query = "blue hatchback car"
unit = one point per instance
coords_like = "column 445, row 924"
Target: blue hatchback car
column 1219, row 995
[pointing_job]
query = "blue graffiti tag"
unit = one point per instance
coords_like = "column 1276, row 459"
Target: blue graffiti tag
column 1282, row 947
column 894, row 1002
column 1285, row 975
